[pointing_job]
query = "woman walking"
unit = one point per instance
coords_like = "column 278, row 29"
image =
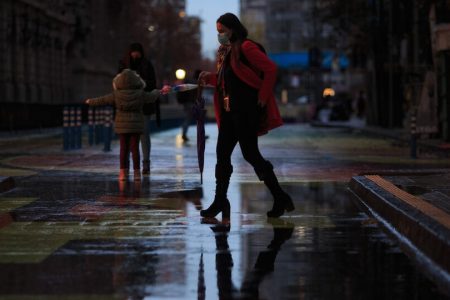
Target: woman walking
column 245, row 108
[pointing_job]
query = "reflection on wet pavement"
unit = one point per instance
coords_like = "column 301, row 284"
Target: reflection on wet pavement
column 264, row 265
column 92, row 237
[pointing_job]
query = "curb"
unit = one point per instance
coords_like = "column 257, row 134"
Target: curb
column 424, row 239
column 401, row 136
column 6, row 184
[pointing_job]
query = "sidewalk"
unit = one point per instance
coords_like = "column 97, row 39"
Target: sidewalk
column 76, row 211
column 412, row 205
column 401, row 134
column 6, row 183
column 30, row 133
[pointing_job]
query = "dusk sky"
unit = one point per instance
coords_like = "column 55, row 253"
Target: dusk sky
column 209, row 11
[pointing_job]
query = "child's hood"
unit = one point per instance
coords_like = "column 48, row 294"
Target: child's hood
column 128, row 88
column 128, row 80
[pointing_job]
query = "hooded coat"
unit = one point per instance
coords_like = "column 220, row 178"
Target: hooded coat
column 145, row 69
column 142, row 66
column 128, row 97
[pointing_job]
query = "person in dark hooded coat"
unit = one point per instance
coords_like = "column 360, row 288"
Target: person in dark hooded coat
column 135, row 60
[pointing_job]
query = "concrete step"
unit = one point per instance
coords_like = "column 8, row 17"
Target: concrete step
column 421, row 228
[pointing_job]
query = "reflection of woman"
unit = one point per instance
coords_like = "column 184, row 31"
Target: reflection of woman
column 264, row 265
column 265, row 262
column 244, row 92
column 224, row 263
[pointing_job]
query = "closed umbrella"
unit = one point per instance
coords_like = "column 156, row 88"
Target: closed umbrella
column 199, row 113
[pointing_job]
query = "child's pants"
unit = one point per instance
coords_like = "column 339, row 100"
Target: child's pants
column 129, row 142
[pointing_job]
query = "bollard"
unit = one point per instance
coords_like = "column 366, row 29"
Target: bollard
column 101, row 129
column 91, row 126
column 413, row 143
column 97, row 125
column 78, row 128
column 66, row 142
column 107, row 129
column 72, row 130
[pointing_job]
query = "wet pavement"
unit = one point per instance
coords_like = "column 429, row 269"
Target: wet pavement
column 70, row 230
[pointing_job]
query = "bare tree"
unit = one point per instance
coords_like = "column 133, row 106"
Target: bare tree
column 174, row 40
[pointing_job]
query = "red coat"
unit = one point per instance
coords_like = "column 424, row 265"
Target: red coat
column 260, row 63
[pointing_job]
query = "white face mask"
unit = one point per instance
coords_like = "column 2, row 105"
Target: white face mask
column 223, row 38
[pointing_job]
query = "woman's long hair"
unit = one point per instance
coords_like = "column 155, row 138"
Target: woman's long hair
column 232, row 22
column 239, row 32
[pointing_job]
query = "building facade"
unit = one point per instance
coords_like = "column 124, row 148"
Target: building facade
column 253, row 16
column 33, row 65
column 60, row 52
column 298, row 40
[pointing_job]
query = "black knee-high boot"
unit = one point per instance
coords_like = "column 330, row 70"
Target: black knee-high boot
column 221, row 203
column 282, row 201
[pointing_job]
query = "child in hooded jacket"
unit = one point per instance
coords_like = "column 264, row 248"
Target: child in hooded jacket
column 128, row 97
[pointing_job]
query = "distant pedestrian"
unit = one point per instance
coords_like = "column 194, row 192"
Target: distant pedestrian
column 245, row 107
column 135, row 60
column 187, row 99
column 128, row 97
column 361, row 105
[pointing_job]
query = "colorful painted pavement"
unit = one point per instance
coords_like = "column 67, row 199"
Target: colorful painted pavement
column 70, row 230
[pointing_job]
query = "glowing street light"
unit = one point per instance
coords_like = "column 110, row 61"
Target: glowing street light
column 180, row 74
column 329, row 92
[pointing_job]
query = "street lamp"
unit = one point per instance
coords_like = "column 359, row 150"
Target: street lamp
column 328, row 92
column 180, row 74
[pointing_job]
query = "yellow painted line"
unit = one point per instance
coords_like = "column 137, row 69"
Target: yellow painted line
column 32, row 242
column 416, row 202
column 22, row 242
column 8, row 204
column 7, row 172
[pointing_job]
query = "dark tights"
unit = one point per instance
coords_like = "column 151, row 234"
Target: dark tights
column 239, row 127
column 129, row 142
